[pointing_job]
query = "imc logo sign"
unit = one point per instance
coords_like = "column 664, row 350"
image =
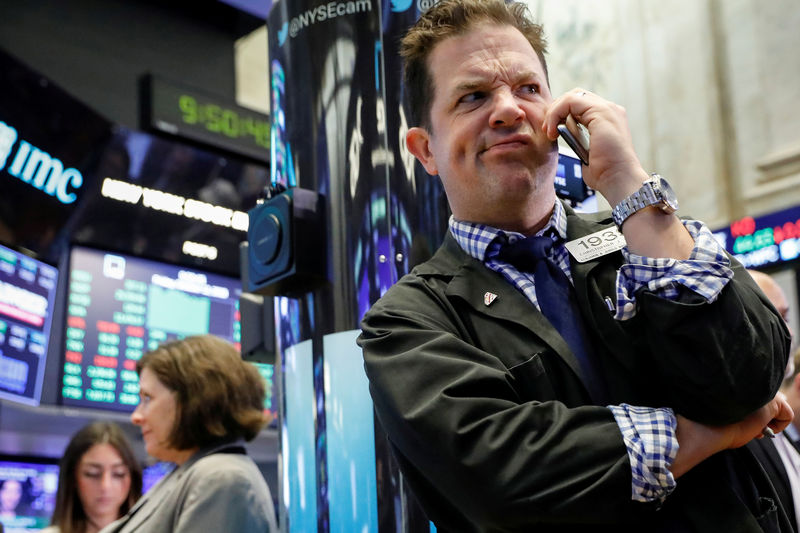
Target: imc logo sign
column 37, row 168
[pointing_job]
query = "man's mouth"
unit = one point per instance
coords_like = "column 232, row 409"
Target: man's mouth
column 508, row 144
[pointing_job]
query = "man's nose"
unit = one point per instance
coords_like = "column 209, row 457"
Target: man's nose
column 506, row 109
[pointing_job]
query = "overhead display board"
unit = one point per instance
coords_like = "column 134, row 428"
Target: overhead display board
column 764, row 241
column 27, row 297
column 48, row 139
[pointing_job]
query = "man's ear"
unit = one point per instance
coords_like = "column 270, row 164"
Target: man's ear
column 417, row 142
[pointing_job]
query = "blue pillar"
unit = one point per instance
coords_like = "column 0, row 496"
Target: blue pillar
column 339, row 125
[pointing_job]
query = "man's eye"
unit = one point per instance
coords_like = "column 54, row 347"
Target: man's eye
column 530, row 89
column 472, row 97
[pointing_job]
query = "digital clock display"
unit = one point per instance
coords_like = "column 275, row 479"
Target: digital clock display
column 189, row 113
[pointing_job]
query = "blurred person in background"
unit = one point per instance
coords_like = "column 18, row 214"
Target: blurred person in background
column 99, row 480
column 780, row 456
column 198, row 403
column 791, row 389
column 10, row 496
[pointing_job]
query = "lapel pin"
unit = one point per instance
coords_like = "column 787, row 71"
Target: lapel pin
column 488, row 298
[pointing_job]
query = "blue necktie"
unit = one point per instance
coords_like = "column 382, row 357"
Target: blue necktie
column 556, row 298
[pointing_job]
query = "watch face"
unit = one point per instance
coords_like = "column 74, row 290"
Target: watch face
column 667, row 194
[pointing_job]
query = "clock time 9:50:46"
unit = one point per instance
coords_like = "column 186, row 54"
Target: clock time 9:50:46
column 222, row 120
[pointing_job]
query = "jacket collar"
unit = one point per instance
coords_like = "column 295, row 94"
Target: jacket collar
column 470, row 281
column 140, row 512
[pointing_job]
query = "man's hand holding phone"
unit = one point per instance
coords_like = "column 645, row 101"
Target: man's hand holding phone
column 615, row 172
column 613, row 169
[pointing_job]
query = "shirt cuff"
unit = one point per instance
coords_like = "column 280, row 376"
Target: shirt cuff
column 705, row 272
column 649, row 436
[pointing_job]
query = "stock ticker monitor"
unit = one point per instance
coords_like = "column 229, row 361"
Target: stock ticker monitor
column 569, row 182
column 120, row 306
column 28, row 486
column 27, row 295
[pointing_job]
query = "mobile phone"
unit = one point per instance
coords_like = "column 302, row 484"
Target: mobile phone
column 577, row 137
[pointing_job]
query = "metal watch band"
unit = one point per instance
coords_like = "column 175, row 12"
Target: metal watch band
column 654, row 191
column 646, row 196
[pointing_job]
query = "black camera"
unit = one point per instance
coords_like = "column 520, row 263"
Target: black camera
column 285, row 253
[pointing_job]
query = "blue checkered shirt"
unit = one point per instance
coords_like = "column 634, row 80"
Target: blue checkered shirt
column 648, row 433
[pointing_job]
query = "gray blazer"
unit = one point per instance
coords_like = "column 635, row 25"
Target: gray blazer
column 213, row 491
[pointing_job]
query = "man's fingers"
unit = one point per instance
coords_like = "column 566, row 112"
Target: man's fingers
column 783, row 414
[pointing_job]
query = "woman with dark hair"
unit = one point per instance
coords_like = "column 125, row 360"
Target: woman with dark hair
column 99, row 480
column 198, row 403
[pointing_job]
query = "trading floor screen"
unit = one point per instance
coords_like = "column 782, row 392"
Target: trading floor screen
column 121, row 306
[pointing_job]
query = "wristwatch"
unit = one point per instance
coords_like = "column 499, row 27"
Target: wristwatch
column 655, row 191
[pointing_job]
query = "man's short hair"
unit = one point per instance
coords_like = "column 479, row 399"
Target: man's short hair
column 451, row 18
column 219, row 397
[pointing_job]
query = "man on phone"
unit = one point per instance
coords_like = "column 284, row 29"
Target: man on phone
column 546, row 371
